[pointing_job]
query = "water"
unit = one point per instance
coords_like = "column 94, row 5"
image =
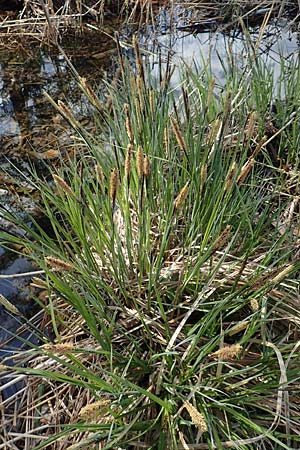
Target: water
column 218, row 51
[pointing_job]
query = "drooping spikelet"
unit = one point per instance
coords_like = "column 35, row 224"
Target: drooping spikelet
column 8, row 306
column 62, row 185
column 138, row 112
column 210, row 92
column 227, row 106
column 114, row 185
column 140, row 84
column 58, row 264
column 196, row 417
column 166, row 142
column 181, row 196
column 68, row 114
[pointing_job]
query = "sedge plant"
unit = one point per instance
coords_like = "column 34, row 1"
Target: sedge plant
column 171, row 273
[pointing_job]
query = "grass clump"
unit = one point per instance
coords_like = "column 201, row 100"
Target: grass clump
column 172, row 277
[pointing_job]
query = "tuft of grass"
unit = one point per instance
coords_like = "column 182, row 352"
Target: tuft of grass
column 171, row 281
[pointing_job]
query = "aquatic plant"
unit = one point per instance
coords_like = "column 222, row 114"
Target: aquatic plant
column 171, row 282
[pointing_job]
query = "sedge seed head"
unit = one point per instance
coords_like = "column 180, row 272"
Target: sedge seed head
column 245, row 171
column 100, row 173
column 127, row 165
column 251, row 125
column 146, row 166
column 178, row 134
column 283, row 274
column 140, row 162
column 228, row 352
column 59, row 349
column 181, row 196
column 128, row 123
column 196, row 417
column 114, row 184
column 62, row 185
column 94, row 410
column 230, row 177
column 254, row 305
column 58, row 264
column 223, row 238
column 8, row 305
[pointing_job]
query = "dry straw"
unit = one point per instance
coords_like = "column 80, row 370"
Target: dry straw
column 196, row 417
column 57, row 264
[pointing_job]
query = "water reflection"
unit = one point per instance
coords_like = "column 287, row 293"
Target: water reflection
column 219, row 51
